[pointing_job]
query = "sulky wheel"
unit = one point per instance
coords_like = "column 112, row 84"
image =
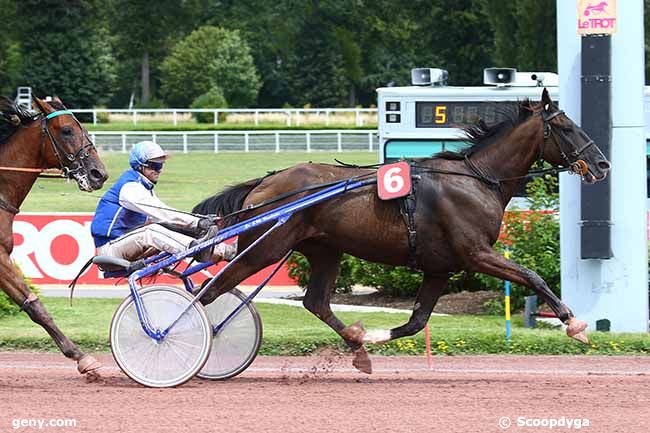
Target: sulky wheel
column 179, row 356
column 236, row 344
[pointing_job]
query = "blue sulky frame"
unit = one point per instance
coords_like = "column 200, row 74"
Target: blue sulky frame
column 280, row 215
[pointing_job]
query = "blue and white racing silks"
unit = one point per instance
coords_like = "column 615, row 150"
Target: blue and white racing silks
column 127, row 205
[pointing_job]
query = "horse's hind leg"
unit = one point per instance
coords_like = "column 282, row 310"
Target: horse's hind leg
column 428, row 294
column 15, row 287
column 490, row 262
column 324, row 268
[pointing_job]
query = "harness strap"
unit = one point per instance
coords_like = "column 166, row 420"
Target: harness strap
column 407, row 207
column 73, row 283
column 7, row 207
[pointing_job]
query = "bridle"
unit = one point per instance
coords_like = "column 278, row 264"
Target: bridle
column 74, row 169
column 561, row 140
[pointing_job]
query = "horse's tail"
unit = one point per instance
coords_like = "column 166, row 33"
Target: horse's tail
column 229, row 200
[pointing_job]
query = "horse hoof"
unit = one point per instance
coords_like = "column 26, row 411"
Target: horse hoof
column 362, row 361
column 575, row 329
column 354, row 333
column 88, row 364
column 581, row 337
column 93, row 376
column 377, row 336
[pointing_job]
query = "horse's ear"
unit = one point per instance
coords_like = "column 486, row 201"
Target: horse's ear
column 546, row 101
column 43, row 106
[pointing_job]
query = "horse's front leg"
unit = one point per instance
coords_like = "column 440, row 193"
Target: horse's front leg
column 428, row 294
column 492, row 263
column 14, row 286
column 324, row 268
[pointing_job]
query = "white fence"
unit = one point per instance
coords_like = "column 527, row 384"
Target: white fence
column 293, row 116
column 242, row 141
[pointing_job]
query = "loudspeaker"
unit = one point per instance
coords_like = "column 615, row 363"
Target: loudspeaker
column 428, row 76
column 499, row 76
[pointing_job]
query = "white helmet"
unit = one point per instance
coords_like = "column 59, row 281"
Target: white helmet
column 145, row 151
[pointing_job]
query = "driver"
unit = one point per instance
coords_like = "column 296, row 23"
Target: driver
column 118, row 227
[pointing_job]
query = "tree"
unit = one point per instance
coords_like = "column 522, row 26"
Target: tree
column 9, row 49
column 316, row 67
column 144, row 35
column 65, row 50
column 524, row 33
column 209, row 57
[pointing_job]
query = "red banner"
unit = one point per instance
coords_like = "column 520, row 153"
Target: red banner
column 51, row 248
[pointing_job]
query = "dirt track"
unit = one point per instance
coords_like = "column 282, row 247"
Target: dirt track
column 323, row 394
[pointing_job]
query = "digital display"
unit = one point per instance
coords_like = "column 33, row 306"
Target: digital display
column 459, row 114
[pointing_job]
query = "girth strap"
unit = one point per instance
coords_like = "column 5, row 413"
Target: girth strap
column 407, row 207
column 9, row 208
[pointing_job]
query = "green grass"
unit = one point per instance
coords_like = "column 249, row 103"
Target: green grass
column 186, row 179
column 193, row 126
column 294, row 331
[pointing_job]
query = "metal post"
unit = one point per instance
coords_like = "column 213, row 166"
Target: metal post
column 308, row 142
column 215, row 117
column 370, row 142
column 327, row 117
column 257, row 118
column 216, row 143
column 94, row 117
column 184, row 143
column 135, row 117
column 277, row 142
column 614, row 289
column 123, row 143
column 175, row 118
column 338, row 142
column 153, row 138
column 245, row 141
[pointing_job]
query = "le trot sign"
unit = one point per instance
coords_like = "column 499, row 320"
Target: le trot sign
column 596, row 17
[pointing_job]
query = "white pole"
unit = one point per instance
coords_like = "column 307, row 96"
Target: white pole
column 615, row 289
column 338, row 142
column 308, row 142
column 277, row 142
column 245, row 141
column 216, row 143
column 184, row 143
column 123, row 143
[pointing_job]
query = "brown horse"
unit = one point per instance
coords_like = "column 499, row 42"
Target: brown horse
column 29, row 144
column 460, row 202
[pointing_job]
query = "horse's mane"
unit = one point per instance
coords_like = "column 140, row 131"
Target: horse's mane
column 480, row 135
column 12, row 117
column 229, row 200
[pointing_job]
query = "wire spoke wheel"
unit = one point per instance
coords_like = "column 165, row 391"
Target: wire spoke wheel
column 236, row 344
column 175, row 359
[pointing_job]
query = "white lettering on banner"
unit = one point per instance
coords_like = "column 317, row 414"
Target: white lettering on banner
column 21, row 252
column 40, row 244
column 80, row 233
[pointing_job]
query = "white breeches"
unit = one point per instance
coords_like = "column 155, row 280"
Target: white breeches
column 150, row 239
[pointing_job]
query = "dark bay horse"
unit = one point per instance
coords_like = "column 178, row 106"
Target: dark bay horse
column 461, row 198
column 29, row 144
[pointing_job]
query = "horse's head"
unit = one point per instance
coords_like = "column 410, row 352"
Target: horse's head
column 566, row 144
column 71, row 149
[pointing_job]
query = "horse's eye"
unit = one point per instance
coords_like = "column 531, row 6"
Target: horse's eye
column 567, row 129
column 66, row 130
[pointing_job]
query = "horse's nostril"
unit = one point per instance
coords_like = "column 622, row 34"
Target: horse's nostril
column 604, row 165
column 97, row 174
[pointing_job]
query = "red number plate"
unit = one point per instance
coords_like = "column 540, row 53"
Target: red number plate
column 394, row 180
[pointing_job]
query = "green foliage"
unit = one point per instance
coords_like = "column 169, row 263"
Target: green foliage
column 316, row 68
column 209, row 57
column 299, row 269
column 7, row 306
column 532, row 239
column 212, row 99
column 524, row 33
column 65, row 48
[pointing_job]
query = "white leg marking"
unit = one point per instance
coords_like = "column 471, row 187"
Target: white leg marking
column 377, row 336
